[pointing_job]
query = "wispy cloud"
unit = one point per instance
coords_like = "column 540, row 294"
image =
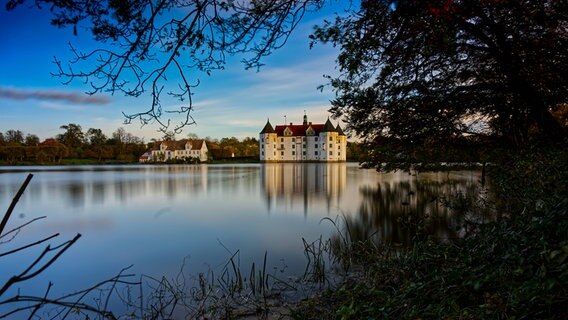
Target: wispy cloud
column 298, row 80
column 51, row 95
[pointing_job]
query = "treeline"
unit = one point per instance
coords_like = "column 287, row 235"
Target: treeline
column 76, row 145
column 91, row 145
column 232, row 147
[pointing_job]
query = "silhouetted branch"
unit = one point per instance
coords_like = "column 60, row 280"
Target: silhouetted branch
column 27, row 274
column 40, row 264
column 17, row 229
column 146, row 42
column 14, row 202
column 29, row 245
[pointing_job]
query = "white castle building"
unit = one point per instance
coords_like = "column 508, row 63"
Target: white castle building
column 303, row 142
column 182, row 149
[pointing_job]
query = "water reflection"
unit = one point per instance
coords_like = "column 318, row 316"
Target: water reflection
column 154, row 216
column 303, row 183
column 389, row 208
column 400, row 208
column 99, row 187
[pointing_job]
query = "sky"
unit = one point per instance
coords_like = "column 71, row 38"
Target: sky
column 231, row 102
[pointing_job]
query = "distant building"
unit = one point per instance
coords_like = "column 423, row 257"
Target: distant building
column 183, row 149
column 146, row 157
column 303, row 142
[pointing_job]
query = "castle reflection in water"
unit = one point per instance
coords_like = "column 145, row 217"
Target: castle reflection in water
column 297, row 185
column 303, row 183
column 372, row 203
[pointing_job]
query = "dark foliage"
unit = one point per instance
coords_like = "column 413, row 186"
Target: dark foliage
column 427, row 71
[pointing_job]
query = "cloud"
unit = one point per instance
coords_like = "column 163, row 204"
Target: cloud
column 51, row 95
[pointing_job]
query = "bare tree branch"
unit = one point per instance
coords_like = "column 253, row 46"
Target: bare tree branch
column 17, row 229
column 144, row 43
column 14, row 202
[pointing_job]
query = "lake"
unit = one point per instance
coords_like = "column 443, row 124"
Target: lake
column 160, row 217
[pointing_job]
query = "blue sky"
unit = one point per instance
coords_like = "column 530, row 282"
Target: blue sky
column 230, row 102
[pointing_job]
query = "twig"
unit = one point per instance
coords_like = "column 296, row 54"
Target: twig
column 29, row 245
column 18, row 228
column 14, row 202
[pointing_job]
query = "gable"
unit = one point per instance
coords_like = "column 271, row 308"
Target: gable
column 298, row 130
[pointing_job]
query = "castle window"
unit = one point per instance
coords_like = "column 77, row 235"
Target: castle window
column 330, row 139
column 293, row 153
column 339, row 147
column 261, row 139
column 316, row 138
column 316, row 153
column 331, row 145
column 281, row 146
column 304, row 153
column 293, row 146
column 338, row 153
column 304, row 146
column 262, row 146
column 316, row 145
column 281, row 139
column 262, row 153
column 330, row 153
column 281, row 153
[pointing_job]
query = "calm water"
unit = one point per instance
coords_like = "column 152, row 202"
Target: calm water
column 156, row 216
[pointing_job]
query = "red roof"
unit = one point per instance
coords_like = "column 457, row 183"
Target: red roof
column 179, row 145
column 298, row 129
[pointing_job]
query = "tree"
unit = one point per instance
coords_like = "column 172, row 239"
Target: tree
column 96, row 137
column 14, row 137
column 153, row 41
column 250, row 147
column 127, row 146
column 31, row 140
column 230, row 147
column 53, row 151
column 97, row 148
column 192, row 136
column 73, row 136
column 422, row 71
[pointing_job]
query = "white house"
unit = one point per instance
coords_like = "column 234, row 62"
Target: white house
column 303, row 142
column 183, row 149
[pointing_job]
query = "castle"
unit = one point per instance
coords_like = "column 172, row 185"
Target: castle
column 183, row 150
column 303, row 142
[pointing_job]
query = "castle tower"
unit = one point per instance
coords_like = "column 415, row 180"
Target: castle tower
column 267, row 142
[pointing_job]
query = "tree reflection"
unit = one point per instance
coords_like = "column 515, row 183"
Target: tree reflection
column 398, row 211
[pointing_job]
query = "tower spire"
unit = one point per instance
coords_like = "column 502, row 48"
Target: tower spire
column 305, row 118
